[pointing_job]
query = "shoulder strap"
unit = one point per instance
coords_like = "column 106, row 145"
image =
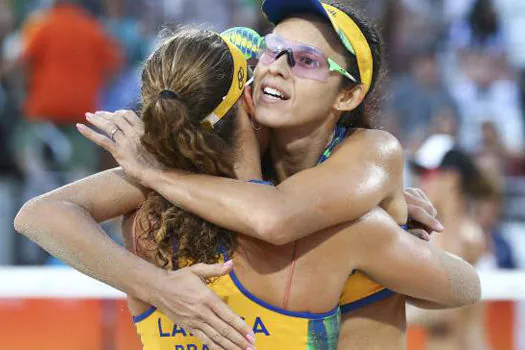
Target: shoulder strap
column 339, row 135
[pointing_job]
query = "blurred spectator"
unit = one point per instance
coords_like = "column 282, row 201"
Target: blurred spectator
column 484, row 22
column 479, row 27
column 420, row 23
column 197, row 12
column 499, row 253
column 418, row 100
column 513, row 23
column 9, row 172
column 127, row 30
column 6, row 19
column 485, row 93
column 454, row 184
column 491, row 156
column 95, row 7
column 456, row 10
column 124, row 91
column 5, row 26
column 445, row 121
column 67, row 58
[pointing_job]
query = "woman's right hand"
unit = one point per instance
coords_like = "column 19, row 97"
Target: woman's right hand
column 184, row 297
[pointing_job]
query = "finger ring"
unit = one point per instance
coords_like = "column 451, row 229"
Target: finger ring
column 113, row 133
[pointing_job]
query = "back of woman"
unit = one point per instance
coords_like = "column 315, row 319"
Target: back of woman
column 190, row 70
column 288, row 294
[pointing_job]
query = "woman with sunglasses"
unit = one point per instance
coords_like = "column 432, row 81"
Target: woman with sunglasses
column 295, row 209
column 307, row 99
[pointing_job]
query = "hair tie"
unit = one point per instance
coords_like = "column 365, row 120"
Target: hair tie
column 170, row 94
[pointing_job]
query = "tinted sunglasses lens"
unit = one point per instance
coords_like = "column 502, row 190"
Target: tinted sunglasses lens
column 267, row 53
column 310, row 64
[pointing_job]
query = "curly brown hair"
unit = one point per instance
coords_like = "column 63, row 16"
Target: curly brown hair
column 198, row 66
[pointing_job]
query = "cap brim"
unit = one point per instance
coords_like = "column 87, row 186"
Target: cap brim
column 277, row 10
column 416, row 167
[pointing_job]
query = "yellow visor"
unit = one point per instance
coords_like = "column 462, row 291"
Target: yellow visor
column 354, row 40
column 242, row 43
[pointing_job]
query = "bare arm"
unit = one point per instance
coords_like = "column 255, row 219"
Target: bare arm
column 365, row 172
column 411, row 266
column 65, row 223
column 334, row 192
column 68, row 218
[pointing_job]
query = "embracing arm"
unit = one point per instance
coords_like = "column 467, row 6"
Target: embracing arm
column 65, row 223
column 411, row 266
column 366, row 170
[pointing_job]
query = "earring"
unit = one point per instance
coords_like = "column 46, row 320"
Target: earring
column 255, row 125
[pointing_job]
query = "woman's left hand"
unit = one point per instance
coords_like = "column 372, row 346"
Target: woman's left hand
column 422, row 221
column 120, row 135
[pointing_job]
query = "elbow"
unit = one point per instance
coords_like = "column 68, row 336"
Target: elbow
column 30, row 213
column 477, row 295
column 271, row 228
column 468, row 291
column 473, row 294
column 25, row 216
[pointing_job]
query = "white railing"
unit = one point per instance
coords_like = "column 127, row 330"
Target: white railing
column 64, row 282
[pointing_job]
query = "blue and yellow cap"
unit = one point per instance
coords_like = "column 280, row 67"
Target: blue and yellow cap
column 348, row 31
column 243, row 44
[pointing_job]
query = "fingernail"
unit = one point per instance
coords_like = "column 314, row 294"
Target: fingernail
column 228, row 264
column 89, row 115
column 440, row 226
column 80, row 126
column 251, row 338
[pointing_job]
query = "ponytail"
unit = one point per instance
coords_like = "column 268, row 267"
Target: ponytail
column 181, row 238
column 183, row 81
column 179, row 143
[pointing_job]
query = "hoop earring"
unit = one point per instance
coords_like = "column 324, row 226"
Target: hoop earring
column 256, row 126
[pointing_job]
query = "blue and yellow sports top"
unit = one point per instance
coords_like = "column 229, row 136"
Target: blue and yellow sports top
column 274, row 328
column 359, row 290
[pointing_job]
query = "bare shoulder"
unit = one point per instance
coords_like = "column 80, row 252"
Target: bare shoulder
column 373, row 137
column 381, row 154
column 372, row 142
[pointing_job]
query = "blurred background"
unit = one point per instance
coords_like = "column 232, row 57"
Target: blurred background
column 454, row 95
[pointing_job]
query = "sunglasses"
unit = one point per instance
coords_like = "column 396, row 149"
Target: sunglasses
column 305, row 61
